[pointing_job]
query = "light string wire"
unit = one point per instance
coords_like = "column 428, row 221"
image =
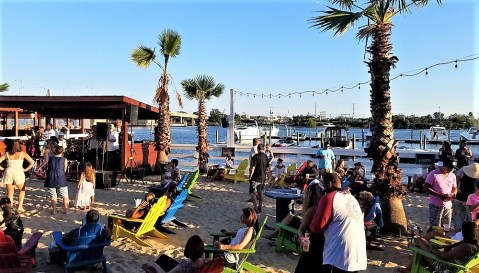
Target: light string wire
column 341, row 88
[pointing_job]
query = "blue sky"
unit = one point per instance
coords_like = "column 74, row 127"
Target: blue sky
column 262, row 47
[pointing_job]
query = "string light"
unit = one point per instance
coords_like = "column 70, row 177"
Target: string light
column 348, row 87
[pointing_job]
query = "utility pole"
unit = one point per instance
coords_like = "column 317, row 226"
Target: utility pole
column 353, row 110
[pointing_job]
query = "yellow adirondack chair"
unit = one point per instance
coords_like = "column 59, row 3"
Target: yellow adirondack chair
column 238, row 174
column 290, row 170
column 147, row 224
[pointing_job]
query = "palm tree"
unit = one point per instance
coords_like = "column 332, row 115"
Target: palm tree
column 4, row 87
column 379, row 15
column 170, row 43
column 202, row 88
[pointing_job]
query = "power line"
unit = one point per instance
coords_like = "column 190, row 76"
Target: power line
column 341, row 88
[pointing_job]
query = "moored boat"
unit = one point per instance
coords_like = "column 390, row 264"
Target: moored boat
column 437, row 133
column 247, row 129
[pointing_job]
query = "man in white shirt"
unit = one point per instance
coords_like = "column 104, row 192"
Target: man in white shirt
column 113, row 147
column 49, row 132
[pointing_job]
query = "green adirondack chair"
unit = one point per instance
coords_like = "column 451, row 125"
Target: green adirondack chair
column 285, row 239
column 238, row 173
column 192, row 179
column 244, row 253
column 419, row 265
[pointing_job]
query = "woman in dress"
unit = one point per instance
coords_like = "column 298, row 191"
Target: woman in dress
column 86, row 187
column 15, row 173
column 56, row 180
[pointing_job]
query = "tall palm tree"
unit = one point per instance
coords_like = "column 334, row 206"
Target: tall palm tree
column 202, row 88
column 170, row 44
column 4, row 87
column 379, row 15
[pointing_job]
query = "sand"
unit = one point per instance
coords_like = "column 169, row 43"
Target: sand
column 220, row 208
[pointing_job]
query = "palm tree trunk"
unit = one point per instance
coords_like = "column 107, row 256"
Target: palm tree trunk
column 387, row 175
column 202, row 126
column 162, row 132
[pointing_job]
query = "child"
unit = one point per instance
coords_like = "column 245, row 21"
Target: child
column 473, row 203
column 13, row 222
column 86, row 188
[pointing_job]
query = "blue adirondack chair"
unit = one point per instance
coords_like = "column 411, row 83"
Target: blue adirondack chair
column 86, row 248
column 183, row 180
column 171, row 212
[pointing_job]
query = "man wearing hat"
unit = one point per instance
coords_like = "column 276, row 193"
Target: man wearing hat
column 441, row 186
column 468, row 177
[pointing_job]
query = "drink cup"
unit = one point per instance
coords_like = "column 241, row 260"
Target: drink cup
column 306, row 243
column 298, row 191
column 446, row 228
column 291, row 172
column 137, row 202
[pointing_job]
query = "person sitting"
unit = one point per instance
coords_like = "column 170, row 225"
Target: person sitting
column 173, row 172
column 341, row 169
column 194, row 252
column 218, row 171
column 13, row 222
column 366, row 201
column 458, row 253
column 277, row 173
column 418, row 183
column 311, row 197
column 243, row 236
column 307, row 175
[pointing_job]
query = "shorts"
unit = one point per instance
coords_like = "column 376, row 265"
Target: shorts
column 438, row 216
column 12, row 177
column 256, row 187
column 62, row 192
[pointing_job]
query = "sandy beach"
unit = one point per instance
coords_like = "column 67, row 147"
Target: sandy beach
column 220, row 208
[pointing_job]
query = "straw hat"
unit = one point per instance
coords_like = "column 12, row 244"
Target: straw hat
column 471, row 170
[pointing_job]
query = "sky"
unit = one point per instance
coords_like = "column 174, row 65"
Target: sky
column 258, row 47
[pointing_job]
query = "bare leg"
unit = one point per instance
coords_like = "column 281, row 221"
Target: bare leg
column 260, row 199
column 253, row 199
column 21, row 196
column 92, row 200
column 66, row 202
column 10, row 191
column 286, row 221
column 53, row 201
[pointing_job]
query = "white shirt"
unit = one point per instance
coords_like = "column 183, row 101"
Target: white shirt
column 233, row 258
column 345, row 239
column 62, row 143
column 113, row 143
column 50, row 133
column 277, row 172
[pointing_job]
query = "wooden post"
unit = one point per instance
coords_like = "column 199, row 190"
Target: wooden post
column 239, row 136
column 16, row 123
column 362, row 135
column 420, row 139
column 425, row 142
column 449, row 135
column 125, row 151
column 354, row 141
column 412, row 132
column 309, row 136
column 270, row 128
column 217, row 136
column 297, row 137
column 264, row 138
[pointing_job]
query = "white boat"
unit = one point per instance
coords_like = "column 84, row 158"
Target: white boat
column 247, row 129
column 337, row 136
column 266, row 130
column 323, row 128
column 471, row 134
column 436, row 133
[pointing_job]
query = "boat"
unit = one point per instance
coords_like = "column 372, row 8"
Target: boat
column 247, row 129
column 337, row 136
column 267, row 130
column 471, row 134
column 285, row 143
column 323, row 128
column 436, row 133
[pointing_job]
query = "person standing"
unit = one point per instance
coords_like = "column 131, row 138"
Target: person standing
column 15, row 173
column 340, row 218
column 327, row 160
column 254, row 149
column 49, row 131
column 467, row 180
column 56, row 180
column 441, row 186
column 113, row 147
column 86, row 188
column 257, row 177
column 463, row 153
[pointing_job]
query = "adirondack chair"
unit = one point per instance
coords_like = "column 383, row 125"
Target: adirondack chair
column 374, row 219
column 244, row 254
column 291, row 169
column 212, row 266
column 285, row 239
column 238, row 173
column 147, row 224
column 12, row 261
column 193, row 178
column 419, row 266
column 183, row 180
column 86, row 248
column 170, row 213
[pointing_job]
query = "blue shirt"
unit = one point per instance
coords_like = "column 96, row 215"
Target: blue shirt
column 326, row 157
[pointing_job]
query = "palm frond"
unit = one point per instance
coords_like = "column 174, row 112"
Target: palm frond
column 143, row 56
column 179, row 99
column 189, row 88
column 345, row 4
column 4, row 87
column 170, row 43
column 365, row 32
column 335, row 19
column 201, row 88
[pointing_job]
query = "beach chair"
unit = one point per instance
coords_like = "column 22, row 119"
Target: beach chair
column 170, row 213
column 419, row 265
column 86, row 248
column 244, row 253
column 238, row 173
column 286, row 240
column 13, row 261
column 290, row 170
column 373, row 221
column 147, row 225
column 192, row 179
column 183, row 180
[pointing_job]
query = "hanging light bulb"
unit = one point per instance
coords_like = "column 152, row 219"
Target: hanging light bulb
column 341, row 89
column 279, row 95
column 326, row 93
column 262, row 96
column 359, row 86
column 455, row 66
column 254, row 96
column 289, row 95
column 270, row 96
column 313, row 93
column 300, row 95
column 426, row 72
